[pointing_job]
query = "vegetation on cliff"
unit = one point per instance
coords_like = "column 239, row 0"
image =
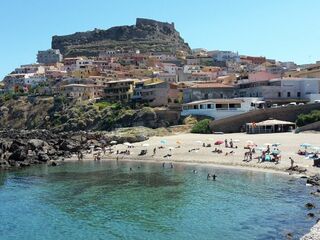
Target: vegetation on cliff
column 304, row 119
column 62, row 114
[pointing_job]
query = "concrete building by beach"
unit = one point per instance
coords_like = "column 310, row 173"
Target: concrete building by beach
column 282, row 90
column 219, row 108
column 49, row 56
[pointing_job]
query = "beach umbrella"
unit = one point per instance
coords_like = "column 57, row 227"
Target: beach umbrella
column 261, row 149
column 163, row 141
column 114, row 142
column 267, row 144
column 145, row 145
column 219, row 142
column 250, row 143
column 276, row 152
column 305, row 145
column 127, row 144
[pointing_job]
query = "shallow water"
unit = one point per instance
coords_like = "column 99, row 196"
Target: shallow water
column 106, row 200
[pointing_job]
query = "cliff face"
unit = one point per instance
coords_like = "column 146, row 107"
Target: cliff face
column 147, row 36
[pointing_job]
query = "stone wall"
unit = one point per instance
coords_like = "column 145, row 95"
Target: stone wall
column 236, row 123
column 313, row 126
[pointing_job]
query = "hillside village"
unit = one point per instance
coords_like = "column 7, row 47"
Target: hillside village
column 200, row 82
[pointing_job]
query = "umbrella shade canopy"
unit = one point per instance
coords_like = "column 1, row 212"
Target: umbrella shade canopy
column 163, row 141
column 261, row 149
column 219, row 142
column 267, row 144
column 250, row 143
column 276, row 152
column 113, row 142
column 127, row 144
column 145, row 145
column 305, row 145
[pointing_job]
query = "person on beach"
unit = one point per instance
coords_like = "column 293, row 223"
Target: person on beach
column 214, row 177
column 291, row 162
column 171, row 165
column 194, row 171
column 226, row 143
column 163, row 164
column 154, row 151
column 231, row 143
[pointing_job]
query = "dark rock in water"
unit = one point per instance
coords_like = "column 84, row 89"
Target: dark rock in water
column 52, row 163
column 314, row 180
column 24, row 164
column 311, row 215
column 19, row 154
column 43, row 157
column 310, row 205
column 289, row 236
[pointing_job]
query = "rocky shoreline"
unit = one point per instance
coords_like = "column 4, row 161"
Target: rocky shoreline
column 21, row 148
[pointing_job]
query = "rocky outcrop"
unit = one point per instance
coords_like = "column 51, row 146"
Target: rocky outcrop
column 21, row 148
column 146, row 35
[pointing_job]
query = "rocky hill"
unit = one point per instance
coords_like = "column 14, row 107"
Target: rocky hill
column 146, row 35
column 59, row 114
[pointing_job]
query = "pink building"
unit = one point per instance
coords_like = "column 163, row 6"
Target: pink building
column 262, row 75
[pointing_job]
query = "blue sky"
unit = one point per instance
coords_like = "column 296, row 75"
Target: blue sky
column 280, row 29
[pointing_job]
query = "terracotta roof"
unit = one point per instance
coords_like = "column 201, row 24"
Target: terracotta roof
column 211, row 85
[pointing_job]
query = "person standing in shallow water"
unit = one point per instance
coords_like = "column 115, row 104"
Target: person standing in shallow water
column 214, row 177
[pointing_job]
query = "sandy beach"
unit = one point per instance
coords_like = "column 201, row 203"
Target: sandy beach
column 176, row 148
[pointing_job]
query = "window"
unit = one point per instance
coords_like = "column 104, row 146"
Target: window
column 288, row 94
column 209, row 106
column 201, row 106
column 279, row 94
column 298, row 94
column 195, row 106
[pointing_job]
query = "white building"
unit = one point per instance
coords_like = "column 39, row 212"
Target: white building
column 170, row 68
column 83, row 63
column 223, row 56
column 219, row 108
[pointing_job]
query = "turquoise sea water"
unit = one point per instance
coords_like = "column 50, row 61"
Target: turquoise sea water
column 106, row 200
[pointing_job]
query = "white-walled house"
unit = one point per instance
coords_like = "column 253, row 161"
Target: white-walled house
column 219, row 108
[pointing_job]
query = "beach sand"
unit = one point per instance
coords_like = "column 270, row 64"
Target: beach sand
column 180, row 145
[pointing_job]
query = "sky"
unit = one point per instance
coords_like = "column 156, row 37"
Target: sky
column 286, row 30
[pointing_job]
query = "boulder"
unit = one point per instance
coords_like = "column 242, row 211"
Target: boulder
column 310, row 205
column 19, row 154
column 36, row 144
column 43, row 157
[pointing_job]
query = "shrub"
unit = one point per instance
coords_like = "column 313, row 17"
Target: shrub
column 304, row 119
column 202, row 126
